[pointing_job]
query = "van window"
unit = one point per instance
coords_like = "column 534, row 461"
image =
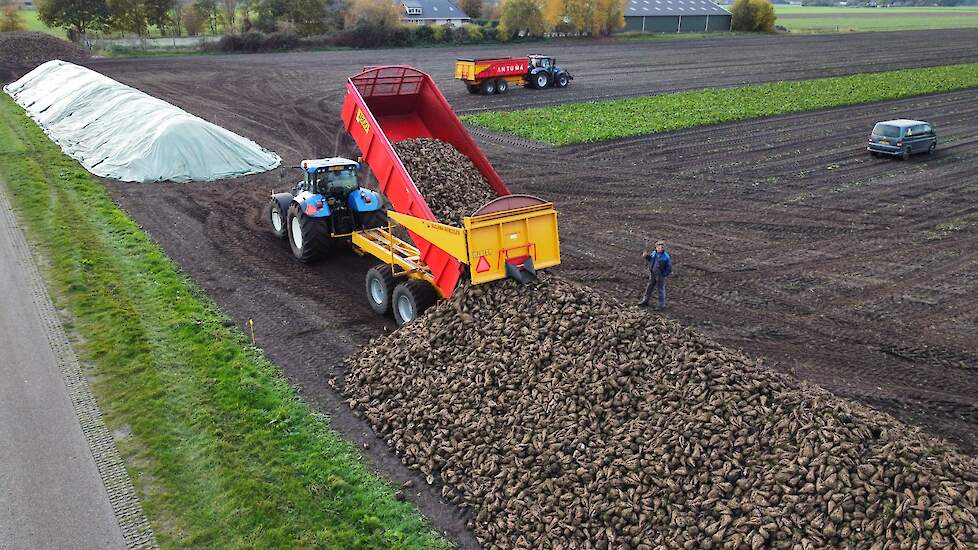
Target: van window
column 886, row 130
column 927, row 129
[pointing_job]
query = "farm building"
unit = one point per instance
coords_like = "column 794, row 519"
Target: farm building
column 432, row 12
column 675, row 16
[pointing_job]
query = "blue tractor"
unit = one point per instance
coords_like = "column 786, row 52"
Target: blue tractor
column 325, row 208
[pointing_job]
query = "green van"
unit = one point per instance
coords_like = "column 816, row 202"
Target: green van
column 902, row 138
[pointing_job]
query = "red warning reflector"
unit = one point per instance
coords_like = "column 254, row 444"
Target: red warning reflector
column 483, row 265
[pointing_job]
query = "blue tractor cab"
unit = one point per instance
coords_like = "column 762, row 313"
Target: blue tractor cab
column 325, row 208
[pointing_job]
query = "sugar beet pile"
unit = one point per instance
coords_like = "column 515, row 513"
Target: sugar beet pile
column 450, row 183
column 33, row 48
column 559, row 418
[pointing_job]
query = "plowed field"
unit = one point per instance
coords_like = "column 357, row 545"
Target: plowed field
column 790, row 241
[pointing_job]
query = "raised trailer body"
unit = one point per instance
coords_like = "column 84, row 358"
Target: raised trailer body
column 385, row 105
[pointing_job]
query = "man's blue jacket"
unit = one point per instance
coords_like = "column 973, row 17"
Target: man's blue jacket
column 665, row 262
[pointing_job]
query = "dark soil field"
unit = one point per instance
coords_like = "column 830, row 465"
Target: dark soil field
column 790, row 241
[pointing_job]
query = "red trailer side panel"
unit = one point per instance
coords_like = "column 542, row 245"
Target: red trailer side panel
column 384, row 105
column 498, row 67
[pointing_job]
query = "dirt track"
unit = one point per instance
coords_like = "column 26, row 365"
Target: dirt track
column 790, row 241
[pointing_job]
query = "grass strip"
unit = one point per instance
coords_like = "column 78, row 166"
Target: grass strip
column 604, row 120
column 876, row 24
column 223, row 451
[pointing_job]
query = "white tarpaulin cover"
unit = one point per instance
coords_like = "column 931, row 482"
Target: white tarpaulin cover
column 119, row 132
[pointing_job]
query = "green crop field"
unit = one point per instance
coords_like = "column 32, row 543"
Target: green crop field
column 815, row 19
column 604, row 120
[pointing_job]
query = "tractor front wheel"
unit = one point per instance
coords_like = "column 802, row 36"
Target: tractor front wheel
column 410, row 299
column 309, row 237
column 276, row 218
column 562, row 80
column 380, row 288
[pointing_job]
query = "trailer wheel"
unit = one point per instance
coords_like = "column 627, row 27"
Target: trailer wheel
column 372, row 220
column 562, row 80
column 541, row 80
column 380, row 285
column 488, row 87
column 501, row 86
column 309, row 238
column 276, row 218
column 410, row 299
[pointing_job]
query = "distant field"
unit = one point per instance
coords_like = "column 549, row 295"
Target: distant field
column 837, row 19
column 34, row 24
column 594, row 121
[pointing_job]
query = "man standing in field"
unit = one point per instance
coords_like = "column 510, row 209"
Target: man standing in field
column 660, row 267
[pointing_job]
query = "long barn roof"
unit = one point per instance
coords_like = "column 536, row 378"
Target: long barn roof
column 672, row 8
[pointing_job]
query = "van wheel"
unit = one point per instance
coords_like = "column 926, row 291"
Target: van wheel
column 930, row 150
column 906, row 153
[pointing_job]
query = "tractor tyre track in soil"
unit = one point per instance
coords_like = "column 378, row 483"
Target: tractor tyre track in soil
column 791, row 242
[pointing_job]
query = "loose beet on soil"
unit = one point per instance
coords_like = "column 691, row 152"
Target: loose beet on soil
column 559, row 418
column 447, row 179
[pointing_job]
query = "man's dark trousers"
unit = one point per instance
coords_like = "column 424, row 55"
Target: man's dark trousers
column 656, row 283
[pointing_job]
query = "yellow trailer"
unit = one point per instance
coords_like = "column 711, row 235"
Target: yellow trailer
column 511, row 236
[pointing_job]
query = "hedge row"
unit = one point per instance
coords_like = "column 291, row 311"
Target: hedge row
column 361, row 36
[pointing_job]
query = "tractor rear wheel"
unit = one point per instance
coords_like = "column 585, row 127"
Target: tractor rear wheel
column 309, row 237
column 540, row 80
column 501, row 86
column 276, row 218
column 380, row 288
column 488, row 87
column 411, row 298
column 372, row 220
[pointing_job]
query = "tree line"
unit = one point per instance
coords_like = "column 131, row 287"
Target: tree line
column 516, row 18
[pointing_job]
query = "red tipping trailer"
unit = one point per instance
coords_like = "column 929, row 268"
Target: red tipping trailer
column 385, row 105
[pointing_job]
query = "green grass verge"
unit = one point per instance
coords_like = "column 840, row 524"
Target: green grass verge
column 604, row 120
column 33, row 23
column 223, row 451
